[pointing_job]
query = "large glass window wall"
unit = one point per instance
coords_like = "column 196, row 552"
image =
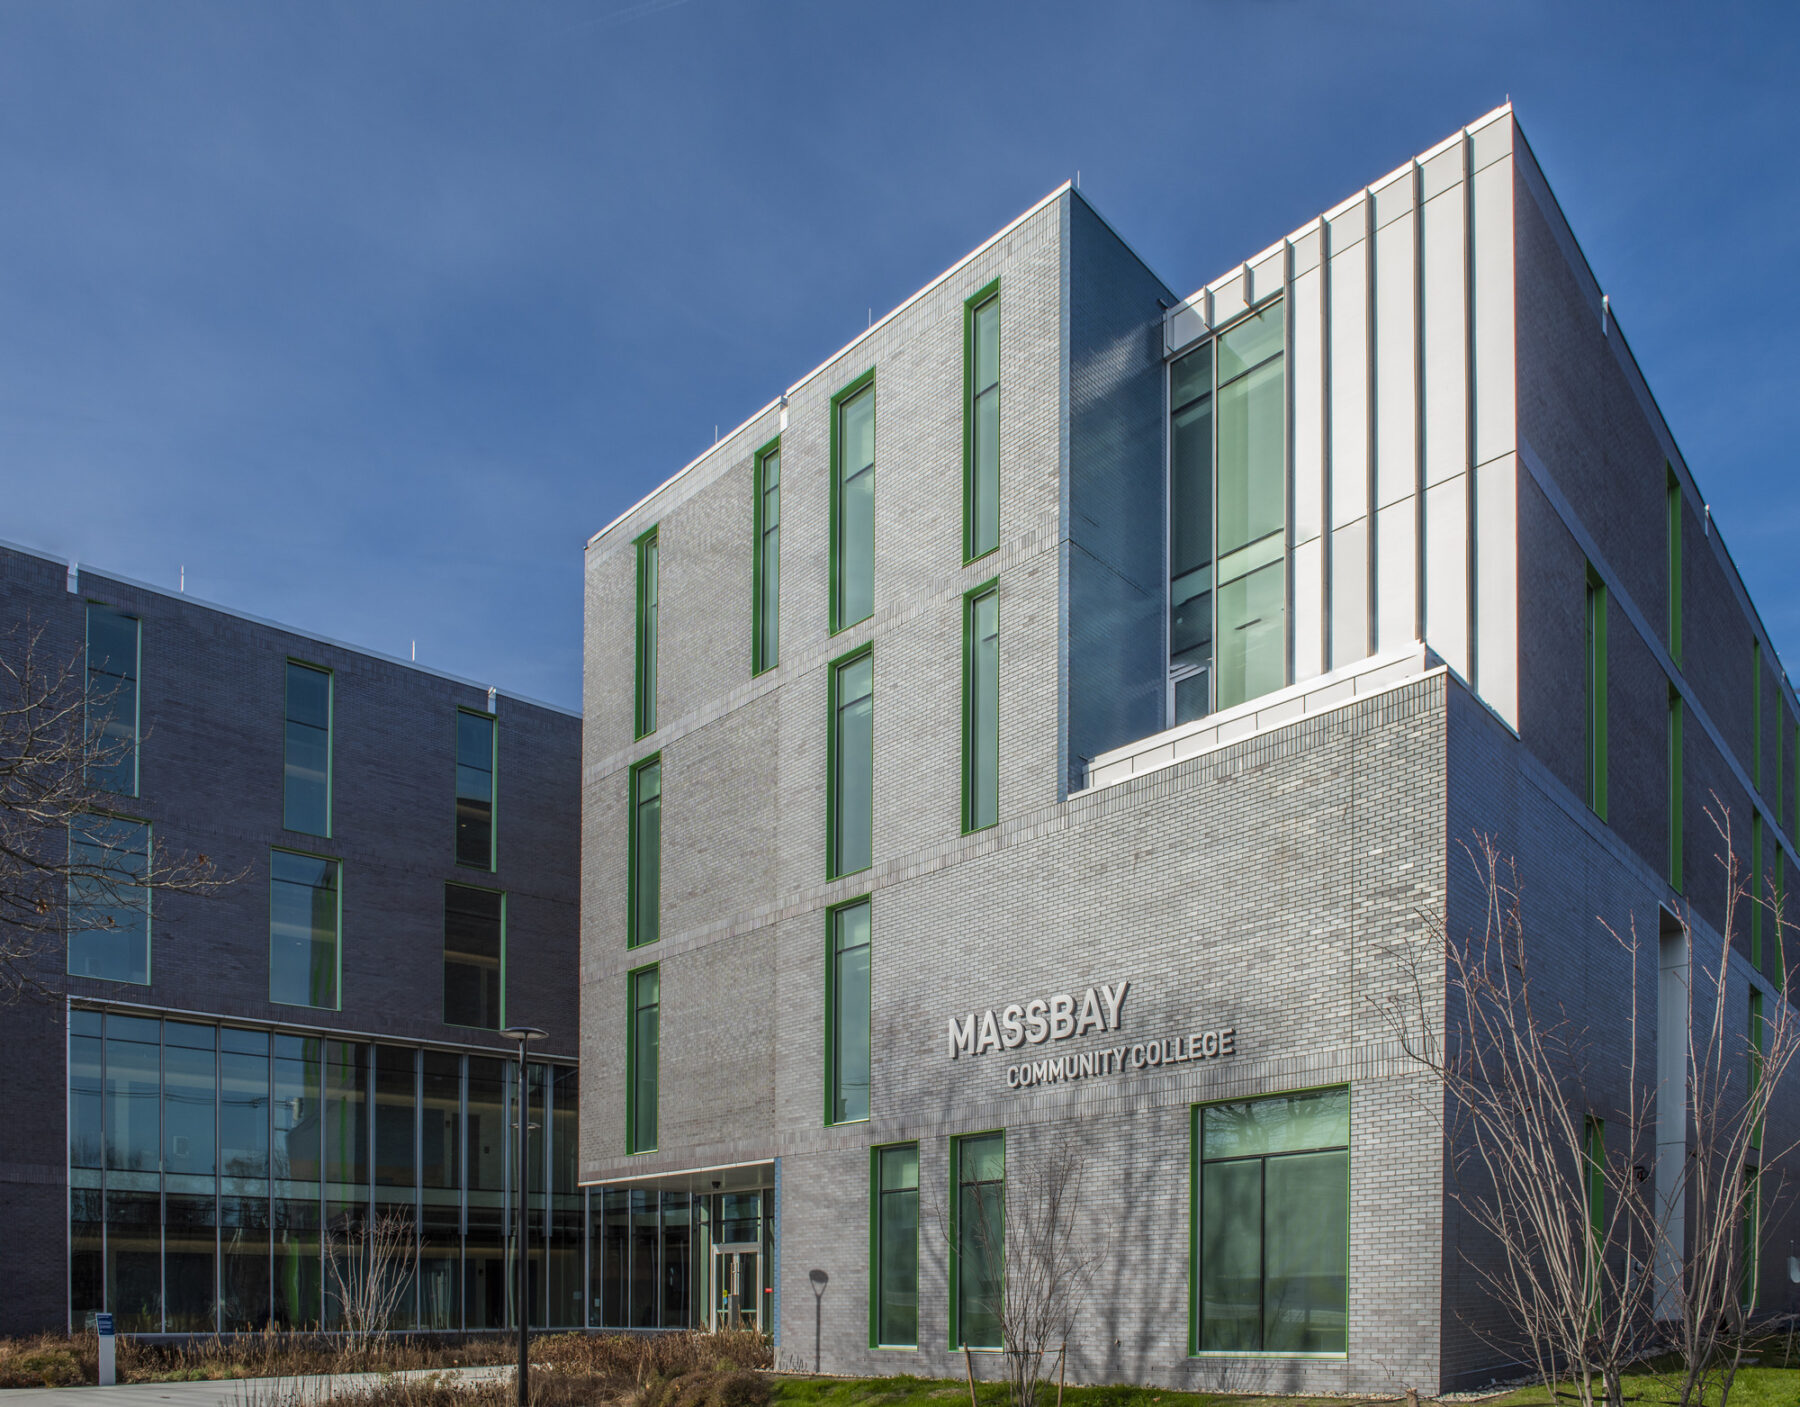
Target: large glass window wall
column 208, row 1162
column 1228, row 518
column 662, row 1259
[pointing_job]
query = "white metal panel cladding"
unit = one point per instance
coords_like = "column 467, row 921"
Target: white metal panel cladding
column 1400, row 383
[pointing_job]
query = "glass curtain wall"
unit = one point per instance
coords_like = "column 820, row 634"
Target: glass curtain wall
column 206, row 1164
column 1228, row 518
column 651, row 1254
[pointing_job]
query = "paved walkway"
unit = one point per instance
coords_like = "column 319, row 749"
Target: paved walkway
column 226, row 1392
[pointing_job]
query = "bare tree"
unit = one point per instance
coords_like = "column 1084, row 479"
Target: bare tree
column 1733, row 1072
column 1042, row 1248
column 67, row 865
column 370, row 1266
column 1539, row 1164
column 1554, row 1168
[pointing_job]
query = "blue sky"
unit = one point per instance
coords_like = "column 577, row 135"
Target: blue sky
column 368, row 314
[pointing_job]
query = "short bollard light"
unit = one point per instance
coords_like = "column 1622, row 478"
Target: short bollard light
column 103, row 1325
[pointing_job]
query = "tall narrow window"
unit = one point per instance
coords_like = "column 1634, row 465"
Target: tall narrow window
column 1674, row 511
column 304, row 917
column 306, row 805
column 1596, row 694
column 474, row 957
column 853, row 503
column 1191, row 535
column 1759, row 954
column 644, row 843
column 1677, row 764
column 978, row 1239
column 851, row 792
column 765, row 622
column 1594, row 1183
column 1756, row 693
column 847, row 1003
column 645, row 1029
column 894, row 1310
column 981, row 423
column 1753, row 1045
column 109, row 905
column 1272, row 1229
column 1752, row 1247
column 474, row 790
column 112, row 700
column 981, row 707
column 1228, row 504
column 647, row 597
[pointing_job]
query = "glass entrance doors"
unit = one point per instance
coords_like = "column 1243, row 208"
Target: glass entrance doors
column 736, row 1301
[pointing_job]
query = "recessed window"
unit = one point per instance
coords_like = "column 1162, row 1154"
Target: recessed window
column 853, row 503
column 112, row 700
column 847, row 1003
column 1272, row 1228
column 978, row 1240
column 765, row 628
column 981, row 423
column 109, row 905
column 1596, row 693
column 894, row 1317
column 1228, row 518
column 648, row 605
column 641, row 1054
column 981, row 707
column 306, row 805
column 851, row 791
column 1674, row 565
column 474, row 790
column 1677, row 764
column 304, row 919
column 474, row 957
column 643, row 886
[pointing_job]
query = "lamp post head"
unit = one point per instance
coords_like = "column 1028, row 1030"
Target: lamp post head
column 524, row 1033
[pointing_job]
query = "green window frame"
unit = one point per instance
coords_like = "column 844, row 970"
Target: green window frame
column 1674, row 513
column 850, row 785
column 1677, row 768
column 765, row 592
column 853, row 503
column 981, row 423
column 114, row 656
column 1756, row 746
column 109, row 898
column 981, row 707
column 1593, row 1176
column 643, row 854
column 894, row 1246
column 1227, row 531
column 310, row 701
column 1595, row 615
column 1751, row 1255
column 643, row 1025
column 477, row 758
column 977, row 1238
column 849, row 1047
column 1270, row 1221
column 1754, row 1033
column 648, row 605
column 1758, row 898
column 474, row 957
column 306, row 937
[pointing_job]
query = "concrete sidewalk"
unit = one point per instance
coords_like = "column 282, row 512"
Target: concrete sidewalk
column 230, row 1392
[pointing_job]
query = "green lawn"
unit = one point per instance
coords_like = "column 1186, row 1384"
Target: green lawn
column 1753, row 1387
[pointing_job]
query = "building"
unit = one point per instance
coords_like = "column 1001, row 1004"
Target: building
column 1046, row 719
column 319, row 1041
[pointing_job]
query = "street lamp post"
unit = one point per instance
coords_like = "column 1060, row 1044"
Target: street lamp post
column 524, row 1035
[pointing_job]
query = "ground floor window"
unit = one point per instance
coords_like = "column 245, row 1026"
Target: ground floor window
column 209, row 1164
column 894, row 1320
column 978, row 1239
column 1272, row 1224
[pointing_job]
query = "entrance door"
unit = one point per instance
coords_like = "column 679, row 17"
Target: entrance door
column 737, row 1287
